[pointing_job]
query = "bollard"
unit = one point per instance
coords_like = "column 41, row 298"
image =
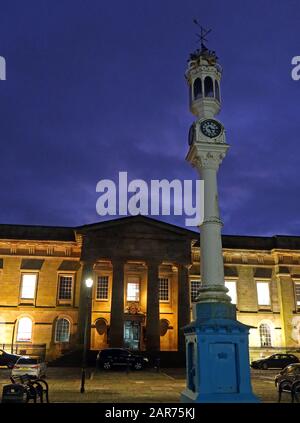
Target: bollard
column 157, row 364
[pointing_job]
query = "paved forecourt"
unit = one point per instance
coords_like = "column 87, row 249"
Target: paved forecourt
column 146, row 386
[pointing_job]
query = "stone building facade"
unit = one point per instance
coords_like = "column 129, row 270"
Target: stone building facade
column 146, row 274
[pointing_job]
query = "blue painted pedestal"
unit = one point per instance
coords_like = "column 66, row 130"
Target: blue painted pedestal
column 217, row 356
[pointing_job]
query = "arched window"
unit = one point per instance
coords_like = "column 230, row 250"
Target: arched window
column 197, row 89
column 62, row 330
column 217, row 90
column 208, row 87
column 265, row 335
column 24, row 332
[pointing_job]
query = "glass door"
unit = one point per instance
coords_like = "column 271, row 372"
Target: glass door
column 132, row 330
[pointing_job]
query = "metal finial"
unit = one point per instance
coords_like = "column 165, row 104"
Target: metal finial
column 203, row 33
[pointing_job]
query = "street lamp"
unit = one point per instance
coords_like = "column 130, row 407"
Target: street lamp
column 88, row 283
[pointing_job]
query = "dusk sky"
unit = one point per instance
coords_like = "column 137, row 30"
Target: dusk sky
column 96, row 87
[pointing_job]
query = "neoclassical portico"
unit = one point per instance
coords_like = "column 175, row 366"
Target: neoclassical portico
column 141, row 295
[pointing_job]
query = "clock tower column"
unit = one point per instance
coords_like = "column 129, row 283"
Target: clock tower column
column 217, row 351
column 208, row 148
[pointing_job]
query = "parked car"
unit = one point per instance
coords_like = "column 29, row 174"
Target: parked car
column 112, row 357
column 7, row 359
column 29, row 366
column 290, row 373
column 275, row 361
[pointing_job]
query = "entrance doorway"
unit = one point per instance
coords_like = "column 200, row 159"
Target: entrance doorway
column 132, row 332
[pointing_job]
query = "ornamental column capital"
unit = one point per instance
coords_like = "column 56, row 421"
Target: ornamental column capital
column 207, row 156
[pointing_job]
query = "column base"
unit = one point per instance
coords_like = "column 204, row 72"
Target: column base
column 213, row 294
column 217, row 356
column 188, row 396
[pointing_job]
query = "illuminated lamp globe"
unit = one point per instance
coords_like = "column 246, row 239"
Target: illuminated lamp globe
column 89, row 282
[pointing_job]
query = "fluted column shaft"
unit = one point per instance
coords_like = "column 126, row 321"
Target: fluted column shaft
column 152, row 322
column 207, row 158
column 183, row 304
column 116, row 332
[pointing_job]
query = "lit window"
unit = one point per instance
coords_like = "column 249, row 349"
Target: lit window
column 28, row 286
column 195, row 286
column 265, row 335
column 62, row 330
column 231, row 285
column 163, row 289
column 102, row 288
column 263, row 293
column 297, row 293
column 24, row 332
column 65, row 287
column 133, row 291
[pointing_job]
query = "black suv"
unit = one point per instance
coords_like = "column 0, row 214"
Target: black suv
column 275, row 361
column 111, row 357
column 7, row 359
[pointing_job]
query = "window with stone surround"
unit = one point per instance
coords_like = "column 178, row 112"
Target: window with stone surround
column 24, row 330
column 263, row 293
column 102, row 288
column 28, row 287
column 232, row 292
column 195, row 285
column 164, row 290
column 297, row 294
column 62, row 330
column 265, row 335
column 65, row 288
column 133, row 290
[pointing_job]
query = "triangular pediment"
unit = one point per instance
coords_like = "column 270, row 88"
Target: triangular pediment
column 137, row 225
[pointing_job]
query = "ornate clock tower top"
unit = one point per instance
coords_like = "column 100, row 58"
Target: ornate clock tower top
column 203, row 76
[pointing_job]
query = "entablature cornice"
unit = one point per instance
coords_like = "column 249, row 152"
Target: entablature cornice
column 39, row 248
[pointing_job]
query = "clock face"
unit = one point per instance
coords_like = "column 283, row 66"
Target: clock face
column 191, row 134
column 211, row 128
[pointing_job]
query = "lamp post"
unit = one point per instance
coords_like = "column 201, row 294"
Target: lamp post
column 88, row 284
column 13, row 337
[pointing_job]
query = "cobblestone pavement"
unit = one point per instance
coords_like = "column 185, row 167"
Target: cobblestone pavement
column 135, row 387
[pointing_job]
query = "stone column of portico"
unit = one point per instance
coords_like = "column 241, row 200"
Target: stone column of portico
column 207, row 159
column 152, row 322
column 183, row 304
column 116, row 331
column 87, row 272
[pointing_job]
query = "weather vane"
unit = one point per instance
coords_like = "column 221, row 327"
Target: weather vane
column 203, row 33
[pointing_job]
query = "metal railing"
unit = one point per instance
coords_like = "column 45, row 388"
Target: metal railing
column 37, row 350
